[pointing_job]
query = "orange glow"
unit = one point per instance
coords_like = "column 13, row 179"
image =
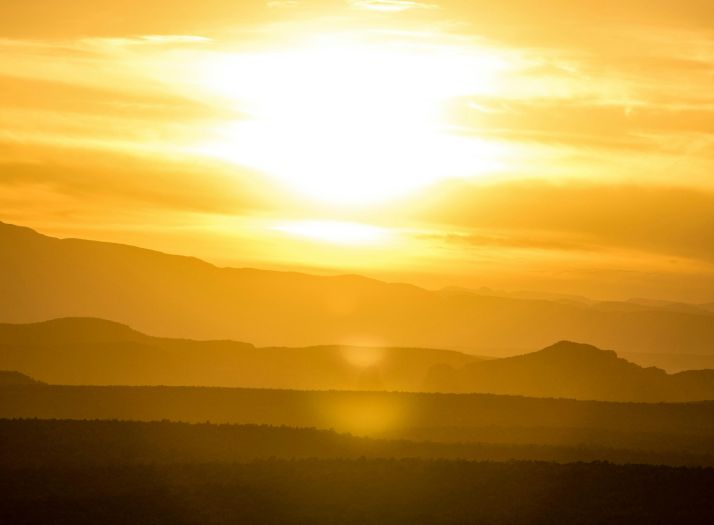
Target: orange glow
column 334, row 231
column 439, row 143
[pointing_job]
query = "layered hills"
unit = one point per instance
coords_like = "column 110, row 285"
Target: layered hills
column 85, row 351
column 181, row 297
column 99, row 352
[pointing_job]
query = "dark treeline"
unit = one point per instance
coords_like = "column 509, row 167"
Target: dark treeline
column 432, row 417
column 59, row 442
column 357, row 492
column 560, row 436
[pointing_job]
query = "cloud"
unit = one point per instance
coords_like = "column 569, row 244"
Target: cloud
column 390, row 6
column 70, row 19
column 175, row 39
column 634, row 125
column 108, row 182
column 282, row 3
column 674, row 221
column 39, row 95
column 540, row 241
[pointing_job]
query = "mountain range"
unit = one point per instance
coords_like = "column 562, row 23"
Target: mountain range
column 98, row 352
column 85, row 351
column 173, row 296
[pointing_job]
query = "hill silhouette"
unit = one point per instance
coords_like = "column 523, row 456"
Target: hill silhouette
column 671, row 362
column 573, row 370
column 43, row 278
column 12, row 378
column 97, row 352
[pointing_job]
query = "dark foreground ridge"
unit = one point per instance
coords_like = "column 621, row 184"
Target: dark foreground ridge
column 95, row 443
column 385, row 492
column 446, row 418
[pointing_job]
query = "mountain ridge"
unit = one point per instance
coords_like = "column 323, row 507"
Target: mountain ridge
column 97, row 351
column 578, row 371
column 109, row 353
column 15, row 378
column 183, row 297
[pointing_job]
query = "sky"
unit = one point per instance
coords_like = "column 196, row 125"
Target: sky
column 550, row 145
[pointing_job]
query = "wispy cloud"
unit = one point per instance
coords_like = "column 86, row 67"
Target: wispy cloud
column 390, row 6
column 277, row 4
column 659, row 219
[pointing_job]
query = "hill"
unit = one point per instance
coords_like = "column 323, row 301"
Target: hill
column 577, row 371
column 44, row 278
column 95, row 351
column 671, row 362
column 98, row 352
column 12, row 378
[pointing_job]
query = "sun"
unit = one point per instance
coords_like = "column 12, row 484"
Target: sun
column 349, row 122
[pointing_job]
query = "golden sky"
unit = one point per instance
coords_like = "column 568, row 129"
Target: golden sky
column 544, row 145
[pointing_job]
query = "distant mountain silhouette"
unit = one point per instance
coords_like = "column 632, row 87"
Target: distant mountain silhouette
column 69, row 331
column 12, row 378
column 577, row 371
column 671, row 362
column 94, row 351
column 43, row 278
column 635, row 304
column 672, row 306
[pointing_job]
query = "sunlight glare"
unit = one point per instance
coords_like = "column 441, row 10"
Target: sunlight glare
column 348, row 122
column 337, row 232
